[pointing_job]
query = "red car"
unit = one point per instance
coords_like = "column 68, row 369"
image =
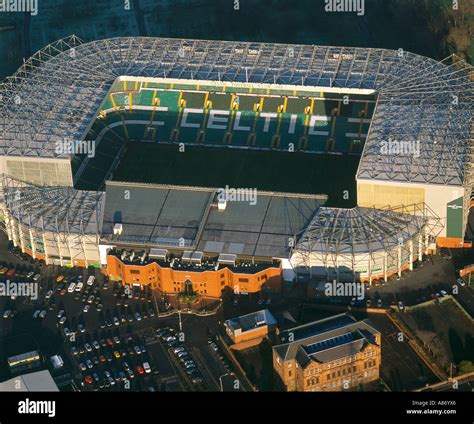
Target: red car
column 11, row 272
column 102, row 358
column 62, row 292
column 88, row 379
column 109, row 342
column 140, row 370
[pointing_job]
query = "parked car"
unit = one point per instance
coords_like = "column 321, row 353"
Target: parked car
column 379, row 303
column 7, row 313
column 443, row 293
column 146, row 367
column 42, row 314
column 401, row 307
column 49, row 293
column 86, row 308
column 71, row 288
column 88, row 347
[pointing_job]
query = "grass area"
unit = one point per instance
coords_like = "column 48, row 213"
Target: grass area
column 242, row 168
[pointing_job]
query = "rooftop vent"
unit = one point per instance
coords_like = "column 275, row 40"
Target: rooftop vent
column 118, row 228
column 221, row 204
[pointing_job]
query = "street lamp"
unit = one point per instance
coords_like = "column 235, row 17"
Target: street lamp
column 220, row 381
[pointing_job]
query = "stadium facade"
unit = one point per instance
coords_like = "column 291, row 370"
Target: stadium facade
column 408, row 117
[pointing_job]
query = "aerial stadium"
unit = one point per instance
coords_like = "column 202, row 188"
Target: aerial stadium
column 114, row 153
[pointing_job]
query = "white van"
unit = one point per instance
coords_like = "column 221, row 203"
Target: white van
column 90, row 280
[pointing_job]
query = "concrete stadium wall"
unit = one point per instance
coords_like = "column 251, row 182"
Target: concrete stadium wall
column 40, row 171
column 380, row 194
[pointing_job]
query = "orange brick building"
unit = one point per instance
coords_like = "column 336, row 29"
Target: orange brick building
column 334, row 354
column 209, row 281
column 251, row 326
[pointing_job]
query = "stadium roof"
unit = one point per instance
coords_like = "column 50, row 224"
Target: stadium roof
column 55, row 209
column 57, row 92
column 364, row 230
column 161, row 215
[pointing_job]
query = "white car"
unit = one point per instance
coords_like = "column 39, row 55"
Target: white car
column 30, row 274
column 443, row 293
column 90, row 280
column 42, row 314
column 461, row 282
column 88, row 347
column 146, row 367
column 401, row 306
column 36, row 277
column 86, row 308
column 79, row 286
column 62, row 320
column 7, row 313
column 60, row 313
column 48, row 294
column 71, row 287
